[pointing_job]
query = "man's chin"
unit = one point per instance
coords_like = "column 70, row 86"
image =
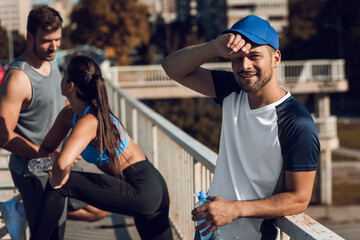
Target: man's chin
column 49, row 58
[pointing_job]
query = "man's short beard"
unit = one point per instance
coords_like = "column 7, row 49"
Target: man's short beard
column 257, row 86
column 41, row 57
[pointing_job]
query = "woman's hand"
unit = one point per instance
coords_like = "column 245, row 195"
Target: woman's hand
column 56, row 182
column 57, row 177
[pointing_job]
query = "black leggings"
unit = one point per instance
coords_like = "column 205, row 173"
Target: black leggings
column 143, row 194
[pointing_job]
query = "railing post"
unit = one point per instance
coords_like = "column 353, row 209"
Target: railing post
column 123, row 111
column 197, row 176
column 324, row 174
column 155, row 147
column 115, row 103
column 135, row 125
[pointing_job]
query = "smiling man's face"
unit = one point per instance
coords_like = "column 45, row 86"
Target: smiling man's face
column 255, row 69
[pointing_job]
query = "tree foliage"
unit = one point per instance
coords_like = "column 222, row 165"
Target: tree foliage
column 198, row 117
column 121, row 24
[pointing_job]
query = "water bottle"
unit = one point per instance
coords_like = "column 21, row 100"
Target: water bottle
column 40, row 164
column 214, row 235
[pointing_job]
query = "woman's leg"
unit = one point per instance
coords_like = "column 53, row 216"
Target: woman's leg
column 154, row 226
column 143, row 194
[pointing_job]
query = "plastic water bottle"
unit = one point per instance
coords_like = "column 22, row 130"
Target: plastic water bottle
column 214, row 235
column 40, row 164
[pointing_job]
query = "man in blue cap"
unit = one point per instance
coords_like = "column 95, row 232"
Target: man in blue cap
column 269, row 145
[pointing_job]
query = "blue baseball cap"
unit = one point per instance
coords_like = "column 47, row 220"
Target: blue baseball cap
column 256, row 30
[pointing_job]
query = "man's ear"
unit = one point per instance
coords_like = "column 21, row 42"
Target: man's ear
column 277, row 58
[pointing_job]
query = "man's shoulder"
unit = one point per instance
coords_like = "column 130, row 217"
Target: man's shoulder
column 292, row 107
column 15, row 87
column 15, row 79
column 225, row 84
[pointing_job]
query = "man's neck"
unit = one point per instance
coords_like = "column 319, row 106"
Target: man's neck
column 39, row 65
column 269, row 94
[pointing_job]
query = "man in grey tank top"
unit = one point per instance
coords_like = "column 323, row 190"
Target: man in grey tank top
column 30, row 99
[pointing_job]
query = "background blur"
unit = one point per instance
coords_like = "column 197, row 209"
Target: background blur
column 142, row 32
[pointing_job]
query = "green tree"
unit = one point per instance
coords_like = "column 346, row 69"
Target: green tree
column 121, row 24
column 198, row 117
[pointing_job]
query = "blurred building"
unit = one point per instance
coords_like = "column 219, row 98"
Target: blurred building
column 212, row 16
column 166, row 9
column 13, row 15
column 275, row 11
column 64, row 7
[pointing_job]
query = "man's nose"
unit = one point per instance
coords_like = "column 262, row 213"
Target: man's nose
column 246, row 63
column 54, row 46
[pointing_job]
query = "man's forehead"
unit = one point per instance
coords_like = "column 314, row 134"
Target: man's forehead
column 257, row 48
column 45, row 34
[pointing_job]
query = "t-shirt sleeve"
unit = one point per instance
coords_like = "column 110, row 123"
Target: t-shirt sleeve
column 224, row 83
column 298, row 137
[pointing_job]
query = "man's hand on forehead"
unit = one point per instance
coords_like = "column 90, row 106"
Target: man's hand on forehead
column 236, row 43
column 232, row 45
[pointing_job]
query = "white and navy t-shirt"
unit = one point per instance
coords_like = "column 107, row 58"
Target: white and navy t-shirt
column 256, row 146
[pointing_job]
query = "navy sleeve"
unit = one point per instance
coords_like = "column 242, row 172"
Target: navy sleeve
column 224, row 83
column 298, row 136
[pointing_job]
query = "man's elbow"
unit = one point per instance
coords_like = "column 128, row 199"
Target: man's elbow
column 302, row 205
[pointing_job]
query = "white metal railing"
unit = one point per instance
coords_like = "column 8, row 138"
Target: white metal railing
column 326, row 126
column 188, row 166
column 288, row 72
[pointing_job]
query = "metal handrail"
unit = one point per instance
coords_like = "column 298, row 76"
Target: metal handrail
column 188, row 166
column 288, row 72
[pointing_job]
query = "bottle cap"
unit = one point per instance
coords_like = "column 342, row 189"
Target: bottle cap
column 201, row 195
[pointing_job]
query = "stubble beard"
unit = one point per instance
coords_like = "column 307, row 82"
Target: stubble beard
column 38, row 53
column 258, row 85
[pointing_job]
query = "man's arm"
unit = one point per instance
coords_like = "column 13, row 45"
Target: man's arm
column 57, row 132
column 294, row 200
column 184, row 65
column 15, row 94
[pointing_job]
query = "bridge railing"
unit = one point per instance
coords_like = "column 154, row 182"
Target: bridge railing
column 326, row 126
column 288, row 72
column 188, row 166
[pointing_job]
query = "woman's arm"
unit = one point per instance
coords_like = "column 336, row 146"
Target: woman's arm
column 84, row 131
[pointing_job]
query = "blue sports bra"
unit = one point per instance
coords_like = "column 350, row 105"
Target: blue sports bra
column 92, row 154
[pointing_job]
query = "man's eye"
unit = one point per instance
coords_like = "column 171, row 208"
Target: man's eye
column 255, row 56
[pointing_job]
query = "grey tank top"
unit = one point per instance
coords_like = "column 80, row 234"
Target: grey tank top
column 47, row 101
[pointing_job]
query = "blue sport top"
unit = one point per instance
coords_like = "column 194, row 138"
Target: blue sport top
column 92, row 154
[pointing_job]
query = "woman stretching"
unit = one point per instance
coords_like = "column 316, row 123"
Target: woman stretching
column 130, row 186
